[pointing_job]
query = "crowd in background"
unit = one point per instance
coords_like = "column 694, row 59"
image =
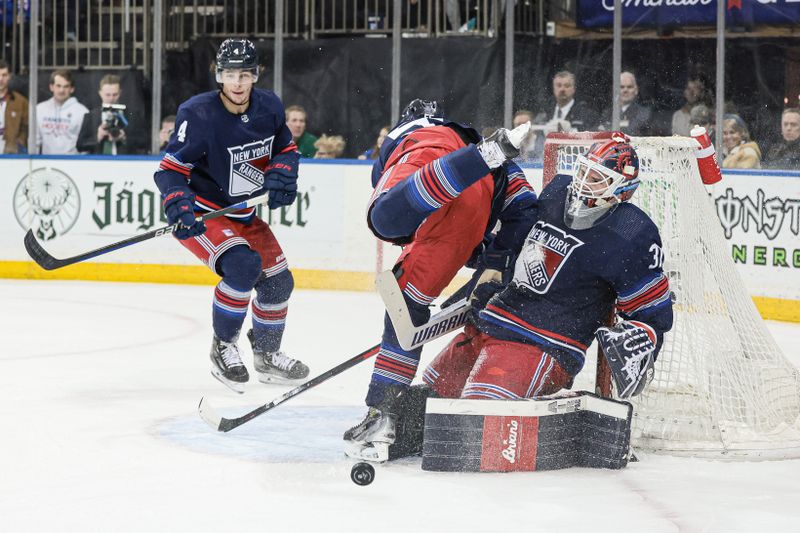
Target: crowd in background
column 66, row 126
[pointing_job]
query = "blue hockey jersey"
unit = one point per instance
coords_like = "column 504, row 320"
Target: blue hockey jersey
column 568, row 282
column 222, row 156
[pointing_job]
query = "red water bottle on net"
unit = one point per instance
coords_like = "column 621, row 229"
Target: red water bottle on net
column 706, row 156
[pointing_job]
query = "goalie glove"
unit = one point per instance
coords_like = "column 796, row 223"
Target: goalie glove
column 630, row 349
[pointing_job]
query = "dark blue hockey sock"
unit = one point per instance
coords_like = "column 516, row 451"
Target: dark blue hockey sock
column 399, row 212
column 394, row 365
column 269, row 309
column 240, row 267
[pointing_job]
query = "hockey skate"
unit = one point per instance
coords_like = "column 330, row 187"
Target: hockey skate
column 227, row 365
column 276, row 367
column 370, row 439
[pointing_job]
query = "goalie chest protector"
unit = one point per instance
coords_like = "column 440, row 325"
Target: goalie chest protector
column 547, row 433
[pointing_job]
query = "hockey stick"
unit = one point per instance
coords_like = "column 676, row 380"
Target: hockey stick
column 409, row 335
column 219, row 423
column 48, row 262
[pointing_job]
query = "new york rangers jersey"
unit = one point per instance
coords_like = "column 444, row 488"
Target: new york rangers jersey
column 568, row 282
column 222, row 156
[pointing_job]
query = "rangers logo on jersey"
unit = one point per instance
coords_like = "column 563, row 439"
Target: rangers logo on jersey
column 247, row 162
column 546, row 250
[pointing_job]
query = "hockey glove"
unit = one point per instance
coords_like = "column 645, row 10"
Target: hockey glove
column 630, row 350
column 281, row 180
column 179, row 207
column 503, row 145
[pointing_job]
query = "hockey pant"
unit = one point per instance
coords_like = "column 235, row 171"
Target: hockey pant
column 475, row 365
column 247, row 257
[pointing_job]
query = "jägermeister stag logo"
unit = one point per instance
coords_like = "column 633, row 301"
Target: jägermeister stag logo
column 47, row 201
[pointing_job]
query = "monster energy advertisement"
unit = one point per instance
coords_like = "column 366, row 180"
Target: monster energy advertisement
column 760, row 218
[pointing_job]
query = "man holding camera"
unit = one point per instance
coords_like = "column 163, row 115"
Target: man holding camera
column 106, row 129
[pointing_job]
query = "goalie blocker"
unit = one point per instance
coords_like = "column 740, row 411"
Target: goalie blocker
column 547, row 433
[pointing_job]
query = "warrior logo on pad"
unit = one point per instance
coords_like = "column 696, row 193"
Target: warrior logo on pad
column 247, row 164
column 545, row 252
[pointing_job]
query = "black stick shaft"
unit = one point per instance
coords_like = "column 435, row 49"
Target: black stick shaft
column 227, row 424
column 48, row 262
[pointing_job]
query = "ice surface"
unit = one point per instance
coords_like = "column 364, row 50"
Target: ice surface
column 99, row 385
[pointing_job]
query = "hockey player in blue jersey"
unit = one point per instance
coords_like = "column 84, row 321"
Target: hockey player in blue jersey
column 229, row 145
column 590, row 253
column 439, row 191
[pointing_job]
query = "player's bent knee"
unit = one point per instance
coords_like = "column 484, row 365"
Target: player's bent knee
column 275, row 289
column 393, row 218
column 240, row 267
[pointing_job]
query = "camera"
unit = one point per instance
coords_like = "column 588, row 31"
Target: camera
column 113, row 118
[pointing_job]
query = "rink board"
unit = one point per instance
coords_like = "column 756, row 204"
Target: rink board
column 83, row 203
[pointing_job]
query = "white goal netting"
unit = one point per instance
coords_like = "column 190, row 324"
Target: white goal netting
column 722, row 386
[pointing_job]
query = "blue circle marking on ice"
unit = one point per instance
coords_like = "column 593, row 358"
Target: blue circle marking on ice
column 302, row 434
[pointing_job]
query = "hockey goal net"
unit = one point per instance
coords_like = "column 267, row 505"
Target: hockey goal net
column 722, row 387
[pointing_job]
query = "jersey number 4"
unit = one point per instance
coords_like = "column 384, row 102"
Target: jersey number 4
column 182, row 131
column 658, row 256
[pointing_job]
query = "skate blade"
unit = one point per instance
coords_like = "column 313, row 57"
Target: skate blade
column 272, row 379
column 373, row 452
column 235, row 386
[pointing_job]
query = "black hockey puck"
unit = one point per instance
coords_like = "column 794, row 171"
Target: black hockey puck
column 362, row 474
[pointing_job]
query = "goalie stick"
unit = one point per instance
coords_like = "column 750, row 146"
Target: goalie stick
column 48, row 262
column 410, row 336
column 224, row 425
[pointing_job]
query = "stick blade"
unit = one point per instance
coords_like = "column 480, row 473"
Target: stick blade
column 210, row 416
column 39, row 254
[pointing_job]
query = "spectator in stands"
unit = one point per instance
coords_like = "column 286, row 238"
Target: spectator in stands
column 329, row 147
column 296, row 119
column 59, row 119
column 694, row 93
column 739, row 151
column 701, row 115
column 373, row 152
column 786, row 153
column 110, row 128
column 566, row 109
column 533, row 146
column 13, row 116
column 634, row 118
column 167, row 127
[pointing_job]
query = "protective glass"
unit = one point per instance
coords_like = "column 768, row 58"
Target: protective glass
column 237, row 75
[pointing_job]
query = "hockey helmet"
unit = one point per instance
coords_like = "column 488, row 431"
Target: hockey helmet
column 605, row 177
column 418, row 109
column 237, row 58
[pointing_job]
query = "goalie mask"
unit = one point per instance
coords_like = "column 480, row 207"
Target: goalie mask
column 237, row 61
column 605, row 177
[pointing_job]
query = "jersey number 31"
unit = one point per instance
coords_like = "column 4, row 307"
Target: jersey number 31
column 658, row 256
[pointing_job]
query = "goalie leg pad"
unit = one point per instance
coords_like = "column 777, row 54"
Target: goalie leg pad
column 410, row 424
column 547, row 433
